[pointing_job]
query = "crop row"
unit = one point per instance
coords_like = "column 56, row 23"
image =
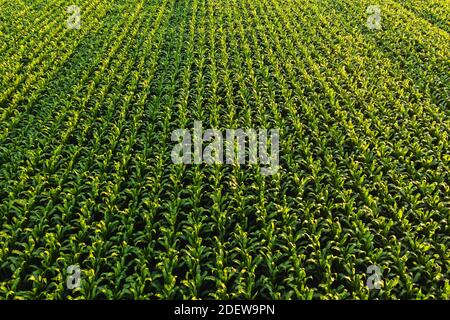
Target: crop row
column 86, row 176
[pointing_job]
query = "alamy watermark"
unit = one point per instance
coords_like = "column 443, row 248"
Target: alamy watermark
column 73, row 280
column 374, row 279
column 374, row 18
column 263, row 145
column 74, row 20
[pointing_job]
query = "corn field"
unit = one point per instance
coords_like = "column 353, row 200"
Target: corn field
column 91, row 92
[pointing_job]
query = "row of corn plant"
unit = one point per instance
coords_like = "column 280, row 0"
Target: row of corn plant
column 86, row 176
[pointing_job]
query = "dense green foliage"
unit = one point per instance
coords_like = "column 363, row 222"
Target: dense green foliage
column 86, row 176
